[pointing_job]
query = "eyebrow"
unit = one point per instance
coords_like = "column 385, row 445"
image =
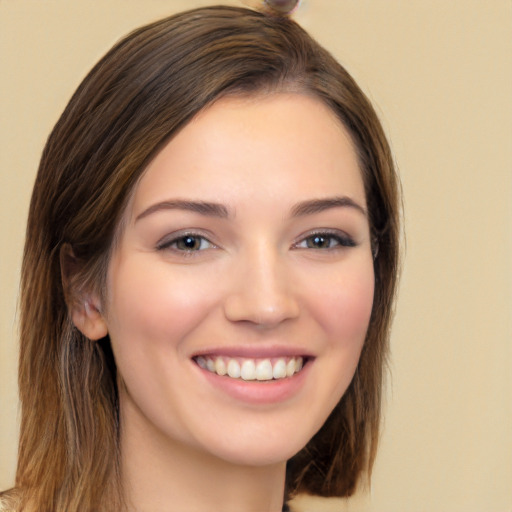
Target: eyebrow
column 319, row 205
column 209, row 209
column 201, row 207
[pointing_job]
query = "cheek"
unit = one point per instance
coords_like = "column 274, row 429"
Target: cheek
column 151, row 307
column 344, row 307
column 340, row 305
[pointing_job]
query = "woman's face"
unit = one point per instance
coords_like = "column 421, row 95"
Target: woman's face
column 245, row 249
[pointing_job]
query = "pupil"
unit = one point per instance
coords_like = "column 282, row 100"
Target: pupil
column 189, row 242
column 319, row 241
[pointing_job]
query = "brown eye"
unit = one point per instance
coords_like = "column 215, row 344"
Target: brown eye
column 319, row 242
column 186, row 244
column 189, row 243
column 325, row 241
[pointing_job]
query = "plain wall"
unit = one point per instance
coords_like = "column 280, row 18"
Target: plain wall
column 440, row 75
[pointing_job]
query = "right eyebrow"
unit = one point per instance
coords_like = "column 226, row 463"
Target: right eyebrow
column 319, row 205
column 201, row 207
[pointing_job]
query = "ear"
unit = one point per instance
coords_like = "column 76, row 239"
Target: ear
column 85, row 308
column 89, row 320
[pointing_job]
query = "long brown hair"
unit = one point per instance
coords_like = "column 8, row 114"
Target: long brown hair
column 138, row 96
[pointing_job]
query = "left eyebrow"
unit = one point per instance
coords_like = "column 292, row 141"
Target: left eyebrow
column 200, row 207
column 319, row 205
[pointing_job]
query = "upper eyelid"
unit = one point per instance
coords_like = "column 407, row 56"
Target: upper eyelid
column 206, row 235
column 171, row 238
column 324, row 231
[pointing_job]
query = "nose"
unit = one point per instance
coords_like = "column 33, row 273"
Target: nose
column 262, row 290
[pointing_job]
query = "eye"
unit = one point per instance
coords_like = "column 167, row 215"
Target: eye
column 325, row 241
column 189, row 242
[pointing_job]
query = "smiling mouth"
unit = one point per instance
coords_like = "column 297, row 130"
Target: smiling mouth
column 250, row 369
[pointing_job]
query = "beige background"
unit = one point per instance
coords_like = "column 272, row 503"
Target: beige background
column 440, row 75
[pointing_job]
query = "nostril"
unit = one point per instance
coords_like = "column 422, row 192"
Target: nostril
column 261, row 290
column 263, row 311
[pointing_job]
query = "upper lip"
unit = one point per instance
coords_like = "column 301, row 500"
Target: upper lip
column 255, row 352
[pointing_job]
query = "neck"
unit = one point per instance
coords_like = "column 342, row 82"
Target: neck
column 160, row 474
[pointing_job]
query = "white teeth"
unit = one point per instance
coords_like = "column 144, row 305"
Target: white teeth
column 251, row 369
column 234, row 369
column 264, row 370
column 248, row 370
column 220, row 366
column 210, row 365
column 279, row 370
column 290, row 367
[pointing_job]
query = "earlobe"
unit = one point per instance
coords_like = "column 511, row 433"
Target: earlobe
column 84, row 308
column 89, row 320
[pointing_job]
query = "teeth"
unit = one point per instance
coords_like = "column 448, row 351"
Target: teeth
column 220, row 366
column 279, row 370
column 290, row 367
column 251, row 369
column 248, row 370
column 264, row 370
column 210, row 365
column 234, row 370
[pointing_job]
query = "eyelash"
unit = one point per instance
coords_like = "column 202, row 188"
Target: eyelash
column 340, row 240
column 167, row 244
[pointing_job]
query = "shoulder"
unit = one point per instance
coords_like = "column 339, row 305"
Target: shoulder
column 7, row 502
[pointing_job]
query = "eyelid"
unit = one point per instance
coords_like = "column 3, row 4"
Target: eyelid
column 168, row 240
column 344, row 239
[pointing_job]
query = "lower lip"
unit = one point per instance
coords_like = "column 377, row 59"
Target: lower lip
column 259, row 392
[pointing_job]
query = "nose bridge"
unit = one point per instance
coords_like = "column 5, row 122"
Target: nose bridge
column 261, row 291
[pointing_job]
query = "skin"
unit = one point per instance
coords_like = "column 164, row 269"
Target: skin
column 257, row 280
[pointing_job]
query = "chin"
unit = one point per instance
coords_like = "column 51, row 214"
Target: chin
column 259, row 454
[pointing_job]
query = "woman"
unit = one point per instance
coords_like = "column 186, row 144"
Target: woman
column 208, row 276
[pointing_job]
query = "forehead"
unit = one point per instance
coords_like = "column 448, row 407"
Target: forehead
column 263, row 146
